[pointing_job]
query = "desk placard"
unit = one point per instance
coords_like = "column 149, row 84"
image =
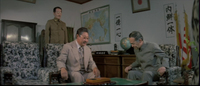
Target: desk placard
column 101, row 53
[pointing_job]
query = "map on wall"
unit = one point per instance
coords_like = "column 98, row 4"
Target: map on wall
column 98, row 23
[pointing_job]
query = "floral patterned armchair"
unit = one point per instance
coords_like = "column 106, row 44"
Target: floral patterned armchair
column 174, row 70
column 51, row 54
column 21, row 64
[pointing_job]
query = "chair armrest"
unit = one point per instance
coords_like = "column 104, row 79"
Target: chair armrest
column 188, row 76
column 170, row 75
column 44, row 74
column 173, row 73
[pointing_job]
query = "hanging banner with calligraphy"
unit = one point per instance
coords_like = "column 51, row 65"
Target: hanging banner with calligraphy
column 118, row 27
column 169, row 20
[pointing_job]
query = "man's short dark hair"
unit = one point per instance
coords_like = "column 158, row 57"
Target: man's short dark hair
column 137, row 35
column 54, row 9
column 81, row 30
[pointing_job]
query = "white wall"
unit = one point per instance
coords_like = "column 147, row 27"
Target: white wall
column 150, row 23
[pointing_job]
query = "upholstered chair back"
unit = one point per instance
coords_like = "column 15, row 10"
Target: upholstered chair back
column 22, row 57
column 52, row 53
column 172, row 51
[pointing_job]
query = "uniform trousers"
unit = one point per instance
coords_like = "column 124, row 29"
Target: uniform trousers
column 149, row 76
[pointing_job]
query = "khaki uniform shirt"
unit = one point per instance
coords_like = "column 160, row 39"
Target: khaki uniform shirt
column 56, row 32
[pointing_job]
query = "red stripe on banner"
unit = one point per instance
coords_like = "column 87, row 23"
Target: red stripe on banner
column 184, row 41
column 180, row 41
column 183, row 58
column 185, row 50
column 190, row 64
column 184, row 35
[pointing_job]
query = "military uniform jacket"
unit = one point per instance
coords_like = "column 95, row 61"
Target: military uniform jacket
column 56, row 32
column 150, row 57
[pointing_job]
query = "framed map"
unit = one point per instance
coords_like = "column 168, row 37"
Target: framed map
column 98, row 23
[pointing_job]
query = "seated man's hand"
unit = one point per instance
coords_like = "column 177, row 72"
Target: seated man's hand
column 161, row 70
column 96, row 72
column 127, row 69
column 64, row 73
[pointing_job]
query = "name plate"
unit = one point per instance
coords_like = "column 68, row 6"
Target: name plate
column 101, row 53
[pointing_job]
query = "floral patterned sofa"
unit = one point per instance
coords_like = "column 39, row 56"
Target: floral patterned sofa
column 174, row 70
column 22, row 62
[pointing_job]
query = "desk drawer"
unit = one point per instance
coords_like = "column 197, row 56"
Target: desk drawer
column 98, row 60
column 128, row 60
column 112, row 60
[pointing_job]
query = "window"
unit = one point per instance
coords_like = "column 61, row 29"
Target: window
column 18, row 31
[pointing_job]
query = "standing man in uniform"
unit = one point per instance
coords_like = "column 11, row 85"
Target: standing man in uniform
column 55, row 31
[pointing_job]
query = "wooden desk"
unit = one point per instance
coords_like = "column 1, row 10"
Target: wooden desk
column 113, row 65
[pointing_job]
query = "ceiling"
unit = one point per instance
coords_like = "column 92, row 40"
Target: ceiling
column 79, row 1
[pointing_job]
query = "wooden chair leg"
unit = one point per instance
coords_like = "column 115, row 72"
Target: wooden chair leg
column 7, row 78
column 53, row 78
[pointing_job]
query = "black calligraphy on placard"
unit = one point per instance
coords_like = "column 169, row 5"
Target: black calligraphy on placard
column 169, row 21
column 118, row 27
